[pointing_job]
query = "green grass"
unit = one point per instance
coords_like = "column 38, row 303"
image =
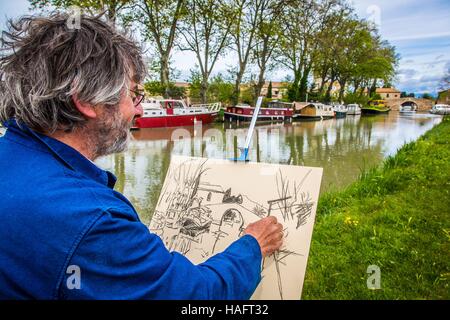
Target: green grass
column 397, row 217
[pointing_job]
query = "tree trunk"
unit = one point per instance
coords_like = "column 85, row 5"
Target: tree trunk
column 164, row 75
column 204, row 89
column 342, row 89
column 303, row 87
column 237, row 84
column 328, row 93
column 260, row 83
column 323, row 79
column 262, row 68
column 373, row 87
column 356, row 86
column 112, row 12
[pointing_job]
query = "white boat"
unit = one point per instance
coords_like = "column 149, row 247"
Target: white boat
column 173, row 113
column 340, row 110
column 408, row 108
column 440, row 109
column 353, row 109
column 312, row 111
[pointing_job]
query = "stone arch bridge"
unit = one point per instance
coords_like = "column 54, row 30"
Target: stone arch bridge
column 421, row 104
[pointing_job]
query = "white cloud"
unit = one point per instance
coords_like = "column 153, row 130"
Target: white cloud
column 407, row 72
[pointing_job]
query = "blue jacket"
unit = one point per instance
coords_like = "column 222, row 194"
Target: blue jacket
column 59, row 210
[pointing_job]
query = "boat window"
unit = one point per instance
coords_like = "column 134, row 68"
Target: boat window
column 177, row 104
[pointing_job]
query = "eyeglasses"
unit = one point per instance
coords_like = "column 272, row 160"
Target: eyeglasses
column 137, row 99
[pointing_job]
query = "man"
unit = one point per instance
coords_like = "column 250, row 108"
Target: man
column 67, row 97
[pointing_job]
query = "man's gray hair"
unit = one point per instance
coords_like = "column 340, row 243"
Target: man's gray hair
column 43, row 63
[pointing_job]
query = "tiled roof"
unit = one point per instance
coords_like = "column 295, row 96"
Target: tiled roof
column 387, row 90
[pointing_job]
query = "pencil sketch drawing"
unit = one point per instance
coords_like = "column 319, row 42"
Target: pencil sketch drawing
column 205, row 205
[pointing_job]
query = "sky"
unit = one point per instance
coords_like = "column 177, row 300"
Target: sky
column 420, row 31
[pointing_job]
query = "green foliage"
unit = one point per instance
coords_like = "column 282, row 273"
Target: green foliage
column 219, row 90
column 443, row 95
column 356, row 98
column 395, row 216
column 110, row 7
column 404, row 94
column 375, row 96
column 428, row 96
column 156, row 88
column 247, row 95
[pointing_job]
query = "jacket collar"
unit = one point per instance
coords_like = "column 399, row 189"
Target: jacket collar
column 70, row 157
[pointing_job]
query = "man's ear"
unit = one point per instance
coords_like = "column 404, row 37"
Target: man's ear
column 86, row 109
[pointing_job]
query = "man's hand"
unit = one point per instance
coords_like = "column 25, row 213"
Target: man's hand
column 269, row 234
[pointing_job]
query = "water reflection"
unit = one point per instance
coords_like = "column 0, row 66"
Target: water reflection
column 343, row 147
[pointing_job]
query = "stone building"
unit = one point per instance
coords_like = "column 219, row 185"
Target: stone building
column 388, row 93
column 279, row 89
column 443, row 97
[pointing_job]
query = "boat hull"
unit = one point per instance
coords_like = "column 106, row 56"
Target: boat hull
column 340, row 114
column 173, row 120
column 245, row 113
column 374, row 111
column 233, row 116
column 300, row 117
column 440, row 112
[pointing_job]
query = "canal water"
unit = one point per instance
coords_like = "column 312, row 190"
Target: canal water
column 342, row 147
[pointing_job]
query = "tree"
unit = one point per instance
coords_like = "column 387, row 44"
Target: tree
column 221, row 90
column 205, row 30
column 156, row 88
column 158, row 20
column 248, row 17
column 405, row 94
column 267, row 36
column 109, row 8
column 302, row 22
column 352, row 54
column 428, row 96
column 269, row 90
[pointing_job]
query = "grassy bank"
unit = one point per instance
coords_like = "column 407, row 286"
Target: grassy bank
column 396, row 217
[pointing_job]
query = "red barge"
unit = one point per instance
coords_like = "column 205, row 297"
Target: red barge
column 173, row 113
column 276, row 111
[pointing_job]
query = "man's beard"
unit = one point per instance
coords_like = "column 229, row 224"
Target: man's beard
column 110, row 135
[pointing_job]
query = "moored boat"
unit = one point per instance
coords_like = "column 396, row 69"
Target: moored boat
column 353, row 109
column 173, row 113
column 340, row 110
column 441, row 109
column 276, row 111
column 375, row 107
column 407, row 109
column 312, row 111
